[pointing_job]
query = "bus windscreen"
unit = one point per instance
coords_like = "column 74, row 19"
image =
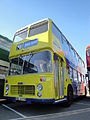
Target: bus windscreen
column 32, row 63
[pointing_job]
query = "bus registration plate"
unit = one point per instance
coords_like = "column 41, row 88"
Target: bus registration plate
column 21, row 99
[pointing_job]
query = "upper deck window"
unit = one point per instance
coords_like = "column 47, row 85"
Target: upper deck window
column 38, row 28
column 55, row 31
column 88, row 52
column 20, row 35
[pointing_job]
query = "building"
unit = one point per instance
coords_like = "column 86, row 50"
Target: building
column 5, row 44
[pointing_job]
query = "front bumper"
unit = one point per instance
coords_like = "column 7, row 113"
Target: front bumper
column 35, row 100
column 31, row 100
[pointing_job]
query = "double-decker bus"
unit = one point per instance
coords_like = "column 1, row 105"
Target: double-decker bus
column 5, row 44
column 88, row 64
column 44, row 67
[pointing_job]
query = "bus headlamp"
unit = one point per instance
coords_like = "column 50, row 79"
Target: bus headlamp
column 7, row 87
column 39, row 94
column 6, row 92
column 39, row 87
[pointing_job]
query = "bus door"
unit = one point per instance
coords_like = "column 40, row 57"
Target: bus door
column 61, row 78
column 58, row 78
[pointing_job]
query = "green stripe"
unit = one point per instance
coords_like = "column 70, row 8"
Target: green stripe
column 4, row 55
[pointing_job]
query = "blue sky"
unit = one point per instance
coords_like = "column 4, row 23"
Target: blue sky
column 71, row 16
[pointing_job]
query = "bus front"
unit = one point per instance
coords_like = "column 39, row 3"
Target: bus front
column 30, row 75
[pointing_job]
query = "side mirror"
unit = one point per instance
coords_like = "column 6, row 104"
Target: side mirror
column 55, row 57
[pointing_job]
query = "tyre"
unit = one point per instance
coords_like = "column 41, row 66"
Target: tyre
column 85, row 92
column 69, row 96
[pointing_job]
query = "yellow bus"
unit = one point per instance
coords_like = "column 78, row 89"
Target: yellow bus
column 44, row 67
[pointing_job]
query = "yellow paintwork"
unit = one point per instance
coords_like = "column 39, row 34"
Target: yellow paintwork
column 46, row 41
column 43, row 42
column 34, row 79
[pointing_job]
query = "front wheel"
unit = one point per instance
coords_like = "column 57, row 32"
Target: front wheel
column 69, row 96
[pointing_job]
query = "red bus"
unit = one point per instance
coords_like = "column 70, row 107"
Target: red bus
column 88, row 64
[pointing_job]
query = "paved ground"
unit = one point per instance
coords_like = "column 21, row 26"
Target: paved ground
column 80, row 109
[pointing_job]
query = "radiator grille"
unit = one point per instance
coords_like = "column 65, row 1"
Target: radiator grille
column 23, row 89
